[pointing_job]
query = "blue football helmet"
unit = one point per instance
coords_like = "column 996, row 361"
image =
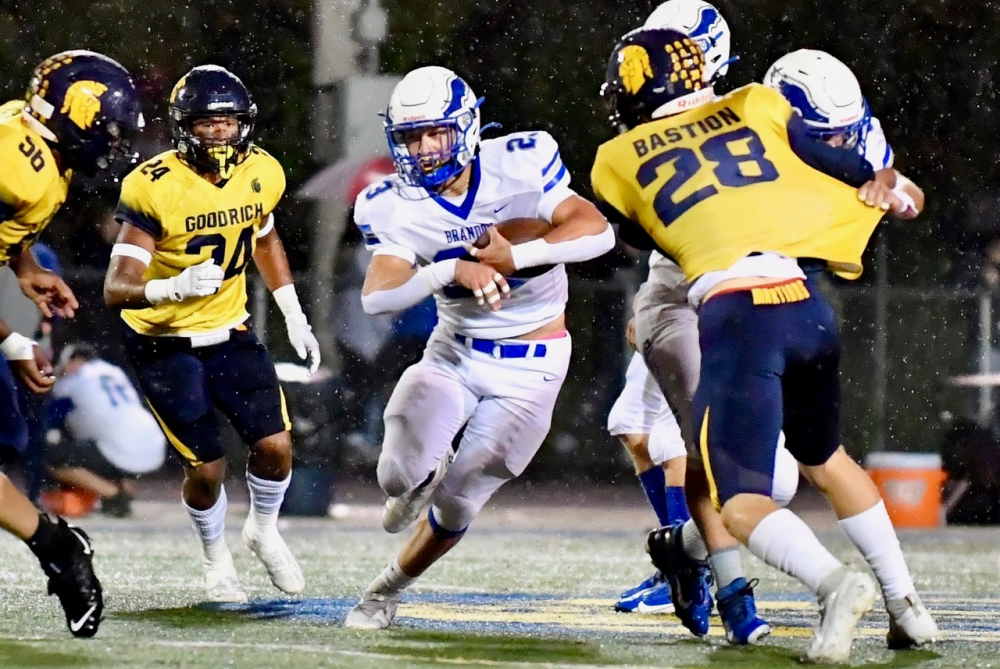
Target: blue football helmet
column 432, row 97
column 825, row 93
column 86, row 106
column 704, row 24
column 208, row 91
column 652, row 73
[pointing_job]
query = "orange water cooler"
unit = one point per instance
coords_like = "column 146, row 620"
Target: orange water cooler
column 910, row 484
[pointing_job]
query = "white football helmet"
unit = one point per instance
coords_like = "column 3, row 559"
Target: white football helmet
column 824, row 92
column 704, row 24
column 430, row 97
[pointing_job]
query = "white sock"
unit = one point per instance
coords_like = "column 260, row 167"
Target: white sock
column 265, row 499
column 872, row 532
column 727, row 566
column 694, row 545
column 783, row 541
column 210, row 525
column 391, row 580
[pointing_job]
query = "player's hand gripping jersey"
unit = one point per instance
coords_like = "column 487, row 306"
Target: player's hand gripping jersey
column 669, row 174
column 517, row 176
column 193, row 221
column 31, row 188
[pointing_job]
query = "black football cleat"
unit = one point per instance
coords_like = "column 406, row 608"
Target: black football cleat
column 70, row 569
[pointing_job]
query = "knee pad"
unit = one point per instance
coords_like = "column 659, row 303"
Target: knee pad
column 452, row 514
column 443, row 532
column 786, row 474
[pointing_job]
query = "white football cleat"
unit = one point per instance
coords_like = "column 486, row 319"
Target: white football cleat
column 222, row 583
column 840, row 612
column 270, row 548
column 910, row 624
column 375, row 611
column 400, row 512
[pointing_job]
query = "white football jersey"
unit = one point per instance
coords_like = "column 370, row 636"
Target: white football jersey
column 517, row 176
column 103, row 407
column 878, row 153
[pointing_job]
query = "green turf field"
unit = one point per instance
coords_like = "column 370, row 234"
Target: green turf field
column 530, row 587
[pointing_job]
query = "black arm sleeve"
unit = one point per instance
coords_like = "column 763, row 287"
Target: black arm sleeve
column 629, row 232
column 841, row 164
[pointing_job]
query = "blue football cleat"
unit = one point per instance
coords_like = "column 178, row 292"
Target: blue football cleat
column 657, row 600
column 629, row 600
column 690, row 580
column 739, row 613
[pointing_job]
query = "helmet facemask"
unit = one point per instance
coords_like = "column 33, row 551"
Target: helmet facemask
column 430, row 170
column 212, row 155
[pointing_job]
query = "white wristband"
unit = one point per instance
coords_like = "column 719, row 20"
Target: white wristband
column 18, row 347
column 530, row 254
column 437, row 275
column 159, row 290
column 288, row 301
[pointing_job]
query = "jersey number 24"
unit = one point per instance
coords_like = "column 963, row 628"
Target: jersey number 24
column 728, row 170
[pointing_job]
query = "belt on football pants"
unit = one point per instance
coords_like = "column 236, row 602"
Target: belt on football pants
column 499, row 350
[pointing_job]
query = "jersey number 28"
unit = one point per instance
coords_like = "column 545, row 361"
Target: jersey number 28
column 728, row 170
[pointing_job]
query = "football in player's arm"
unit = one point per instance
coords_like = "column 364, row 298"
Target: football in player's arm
column 78, row 115
column 192, row 220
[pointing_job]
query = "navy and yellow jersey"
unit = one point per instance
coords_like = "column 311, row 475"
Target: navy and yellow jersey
column 31, row 187
column 721, row 181
column 193, row 220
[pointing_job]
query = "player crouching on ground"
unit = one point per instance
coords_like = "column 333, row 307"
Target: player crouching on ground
column 499, row 355
column 192, row 219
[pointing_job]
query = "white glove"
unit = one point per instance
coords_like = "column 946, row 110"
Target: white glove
column 197, row 281
column 300, row 333
column 301, row 336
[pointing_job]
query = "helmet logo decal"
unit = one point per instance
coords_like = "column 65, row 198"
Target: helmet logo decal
column 177, row 88
column 634, row 67
column 82, row 103
column 684, row 57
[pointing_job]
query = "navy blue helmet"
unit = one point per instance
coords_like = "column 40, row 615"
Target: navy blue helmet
column 654, row 72
column 209, row 91
column 87, row 108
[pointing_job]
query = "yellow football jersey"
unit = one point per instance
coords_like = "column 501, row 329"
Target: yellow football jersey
column 719, row 182
column 31, row 187
column 193, row 220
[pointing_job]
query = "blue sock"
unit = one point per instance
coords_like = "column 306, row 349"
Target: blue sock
column 677, row 508
column 655, row 484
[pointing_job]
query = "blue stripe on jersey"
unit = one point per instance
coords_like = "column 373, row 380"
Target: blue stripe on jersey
column 372, row 240
column 887, row 158
column 125, row 214
column 463, row 210
column 552, row 162
column 454, row 291
column 555, row 180
column 448, row 254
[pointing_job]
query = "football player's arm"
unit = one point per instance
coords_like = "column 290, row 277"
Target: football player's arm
column 125, row 287
column 272, row 263
column 46, row 289
column 848, row 166
column 909, row 194
column 26, row 359
column 394, row 283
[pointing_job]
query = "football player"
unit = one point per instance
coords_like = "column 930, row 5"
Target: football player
column 78, row 115
column 770, row 348
column 668, row 360
column 499, row 355
column 192, row 220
